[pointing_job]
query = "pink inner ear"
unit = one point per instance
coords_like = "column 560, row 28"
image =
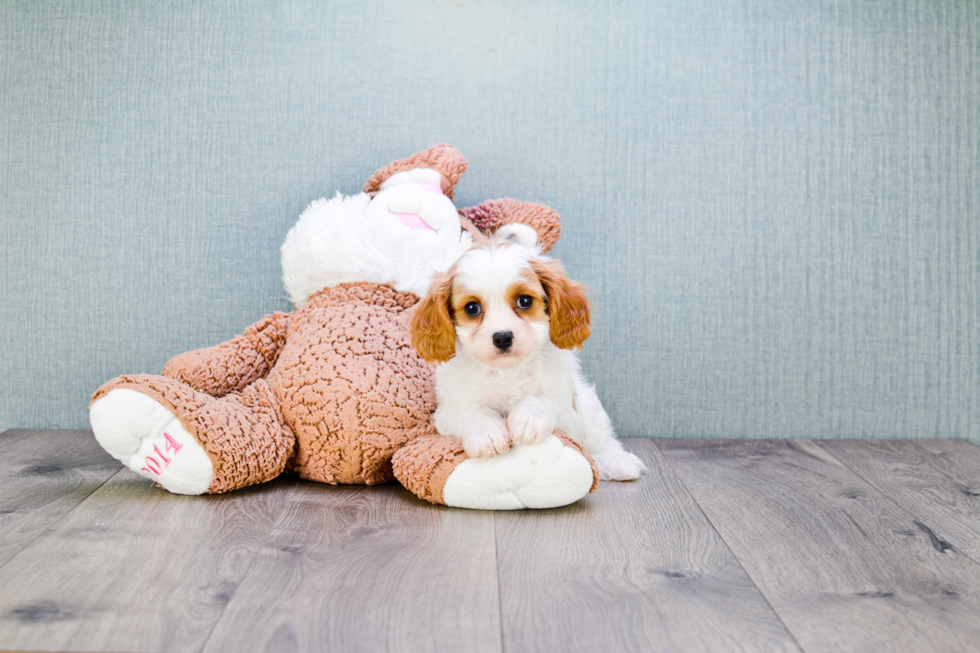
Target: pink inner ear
column 412, row 221
column 431, row 186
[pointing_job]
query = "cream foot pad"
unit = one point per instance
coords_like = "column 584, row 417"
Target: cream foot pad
column 546, row 474
column 147, row 438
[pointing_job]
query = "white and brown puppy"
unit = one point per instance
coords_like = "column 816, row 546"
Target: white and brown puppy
column 503, row 322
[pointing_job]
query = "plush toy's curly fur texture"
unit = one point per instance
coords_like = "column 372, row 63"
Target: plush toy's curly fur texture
column 352, row 387
column 493, row 214
column 342, row 391
column 444, row 158
column 424, row 464
column 233, row 365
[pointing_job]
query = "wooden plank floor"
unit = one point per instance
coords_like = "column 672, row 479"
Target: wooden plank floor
column 723, row 546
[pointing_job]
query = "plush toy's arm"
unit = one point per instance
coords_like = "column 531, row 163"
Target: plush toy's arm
column 493, row 214
column 232, row 365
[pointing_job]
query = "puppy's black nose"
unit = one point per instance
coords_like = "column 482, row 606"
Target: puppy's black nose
column 502, row 340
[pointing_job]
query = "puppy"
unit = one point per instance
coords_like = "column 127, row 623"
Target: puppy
column 503, row 322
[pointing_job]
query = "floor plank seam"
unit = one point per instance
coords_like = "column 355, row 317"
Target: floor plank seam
column 500, row 598
column 721, row 536
column 58, row 520
column 251, row 563
column 919, row 522
column 945, row 473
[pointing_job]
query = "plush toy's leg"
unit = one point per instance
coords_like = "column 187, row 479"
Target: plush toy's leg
column 188, row 441
column 548, row 474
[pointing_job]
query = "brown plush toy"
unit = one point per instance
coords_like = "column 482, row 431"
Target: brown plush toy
column 334, row 391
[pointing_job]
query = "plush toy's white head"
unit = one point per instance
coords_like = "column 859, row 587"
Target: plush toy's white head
column 412, row 199
column 403, row 235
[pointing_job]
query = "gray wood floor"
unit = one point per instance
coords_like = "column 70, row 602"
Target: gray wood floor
column 724, row 546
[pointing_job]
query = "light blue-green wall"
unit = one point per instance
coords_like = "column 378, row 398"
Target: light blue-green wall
column 776, row 205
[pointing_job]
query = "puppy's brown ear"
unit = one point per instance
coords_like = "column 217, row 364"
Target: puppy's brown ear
column 568, row 306
column 432, row 330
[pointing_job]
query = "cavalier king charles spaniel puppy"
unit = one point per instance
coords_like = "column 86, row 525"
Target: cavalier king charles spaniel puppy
column 504, row 322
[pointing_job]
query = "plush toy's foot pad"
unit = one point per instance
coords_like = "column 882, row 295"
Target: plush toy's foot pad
column 146, row 437
column 551, row 473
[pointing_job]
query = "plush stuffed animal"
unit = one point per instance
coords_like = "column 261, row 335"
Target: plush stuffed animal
column 333, row 391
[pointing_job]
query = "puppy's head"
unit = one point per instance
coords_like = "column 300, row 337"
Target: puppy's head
column 500, row 303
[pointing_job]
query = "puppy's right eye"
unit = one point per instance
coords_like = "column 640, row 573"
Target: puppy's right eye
column 472, row 309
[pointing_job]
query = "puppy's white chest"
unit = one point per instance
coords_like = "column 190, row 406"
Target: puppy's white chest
column 505, row 392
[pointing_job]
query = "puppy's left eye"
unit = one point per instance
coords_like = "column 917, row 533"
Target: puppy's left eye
column 525, row 301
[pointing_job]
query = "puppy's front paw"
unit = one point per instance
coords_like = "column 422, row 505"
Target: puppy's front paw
column 488, row 439
column 530, row 422
column 618, row 465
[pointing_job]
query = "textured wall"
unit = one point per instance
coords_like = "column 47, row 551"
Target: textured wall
column 775, row 204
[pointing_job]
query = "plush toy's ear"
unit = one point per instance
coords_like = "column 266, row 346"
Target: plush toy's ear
column 494, row 214
column 568, row 306
column 445, row 159
column 432, row 330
